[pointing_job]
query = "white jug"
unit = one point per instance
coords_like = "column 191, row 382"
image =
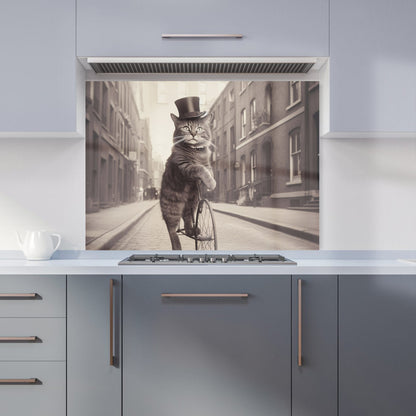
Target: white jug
column 38, row 245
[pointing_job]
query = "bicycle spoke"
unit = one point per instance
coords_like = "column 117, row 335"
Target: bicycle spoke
column 206, row 239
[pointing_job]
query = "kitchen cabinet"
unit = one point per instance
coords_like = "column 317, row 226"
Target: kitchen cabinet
column 373, row 67
column 41, row 390
column 377, row 344
column 315, row 359
column 41, row 78
column 32, row 345
column 269, row 28
column 94, row 382
column 35, row 296
column 189, row 352
column 35, row 339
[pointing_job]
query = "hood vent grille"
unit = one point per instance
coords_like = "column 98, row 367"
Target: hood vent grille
column 202, row 67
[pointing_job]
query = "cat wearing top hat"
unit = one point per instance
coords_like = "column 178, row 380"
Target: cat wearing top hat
column 187, row 166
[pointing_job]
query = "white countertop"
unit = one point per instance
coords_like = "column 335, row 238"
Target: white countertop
column 308, row 262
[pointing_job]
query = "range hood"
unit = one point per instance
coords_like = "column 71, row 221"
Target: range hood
column 205, row 65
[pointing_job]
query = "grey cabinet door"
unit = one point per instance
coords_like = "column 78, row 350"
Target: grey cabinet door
column 206, row 356
column 269, row 27
column 94, row 386
column 314, row 382
column 372, row 47
column 40, row 96
column 377, row 344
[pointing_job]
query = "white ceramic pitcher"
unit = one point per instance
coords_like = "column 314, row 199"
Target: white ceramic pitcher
column 38, row 245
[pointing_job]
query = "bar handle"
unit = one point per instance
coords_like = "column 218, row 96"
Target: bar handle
column 201, row 36
column 25, row 381
column 299, row 322
column 205, row 295
column 112, row 358
column 19, row 339
column 11, row 296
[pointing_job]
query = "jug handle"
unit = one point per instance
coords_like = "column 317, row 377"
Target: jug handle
column 19, row 239
column 59, row 241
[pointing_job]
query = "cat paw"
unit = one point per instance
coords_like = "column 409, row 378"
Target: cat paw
column 192, row 231
column 211, row 184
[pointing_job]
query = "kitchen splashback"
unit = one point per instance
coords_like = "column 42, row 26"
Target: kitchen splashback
column 243, row 165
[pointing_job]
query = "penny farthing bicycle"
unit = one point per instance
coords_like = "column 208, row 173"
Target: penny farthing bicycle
column 204, row 230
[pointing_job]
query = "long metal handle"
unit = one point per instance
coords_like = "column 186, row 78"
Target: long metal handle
column 20, row 381
column 19, row 339
column 201, row 36
column 299, row 322
column 112, row 360
column 204, row 295
column 9, row 296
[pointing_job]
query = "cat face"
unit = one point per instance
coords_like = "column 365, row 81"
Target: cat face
column 193, row 133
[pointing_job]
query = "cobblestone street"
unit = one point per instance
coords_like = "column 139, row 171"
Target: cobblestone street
column 150, row 233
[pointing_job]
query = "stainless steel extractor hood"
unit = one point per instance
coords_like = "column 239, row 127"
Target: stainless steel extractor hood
column 204, row 65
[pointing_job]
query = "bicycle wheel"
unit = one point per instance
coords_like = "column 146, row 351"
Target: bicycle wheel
column 206, row 239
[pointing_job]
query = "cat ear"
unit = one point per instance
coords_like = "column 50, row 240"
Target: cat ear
column 208, row 118
column 174, row 118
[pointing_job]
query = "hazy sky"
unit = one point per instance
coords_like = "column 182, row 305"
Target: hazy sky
column 156, row 100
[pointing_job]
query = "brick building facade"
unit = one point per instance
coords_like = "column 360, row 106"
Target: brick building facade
column 266, row 137
column 118, row 148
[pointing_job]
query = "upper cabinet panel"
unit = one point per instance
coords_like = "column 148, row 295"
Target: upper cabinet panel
column 269, row 27
column 38, row 71
column 373, row 66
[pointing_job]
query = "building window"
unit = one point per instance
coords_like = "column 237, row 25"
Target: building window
column 89, row 89
column 119, row 138
column 295, row 173
column 231, row 96
column 105, row 104
column 243, row 119
column 243, row 86
column 97, row 96
column 294, row 92
column 224, row 104
column 243, row 170
column 253, row 165
column 112, row 120
column 225, row 144
column 268, row 105
column 232, row 138
column 253, row 114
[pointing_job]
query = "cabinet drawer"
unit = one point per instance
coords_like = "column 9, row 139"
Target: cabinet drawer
column 45, row 397
column 32, row 339
column 32, row 296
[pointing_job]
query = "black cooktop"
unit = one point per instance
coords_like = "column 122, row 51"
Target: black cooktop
column 147, row 259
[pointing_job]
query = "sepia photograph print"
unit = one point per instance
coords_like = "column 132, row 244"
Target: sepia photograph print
column 202, row 165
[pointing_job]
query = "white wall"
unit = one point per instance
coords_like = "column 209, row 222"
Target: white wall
column 368, row 192
column 42, row 186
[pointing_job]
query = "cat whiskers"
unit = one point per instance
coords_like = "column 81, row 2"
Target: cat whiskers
column 209, row 143
column 182, row 138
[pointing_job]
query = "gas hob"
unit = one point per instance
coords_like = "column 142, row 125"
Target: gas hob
column 182, row 259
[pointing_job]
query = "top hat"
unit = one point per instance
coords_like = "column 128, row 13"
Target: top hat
column 188, row 107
